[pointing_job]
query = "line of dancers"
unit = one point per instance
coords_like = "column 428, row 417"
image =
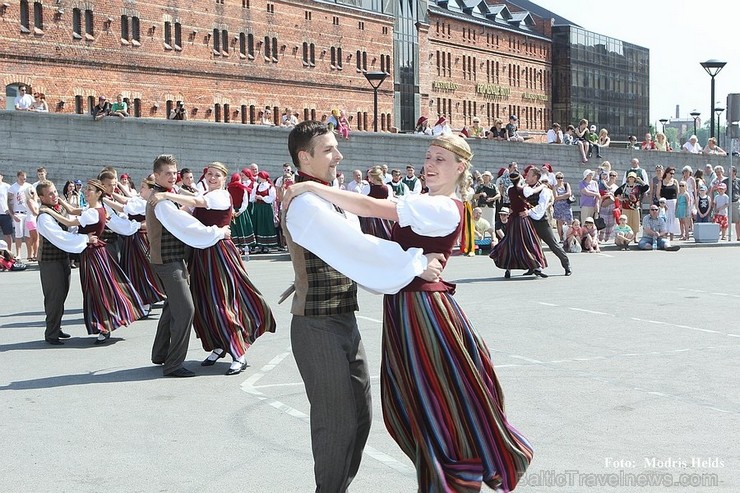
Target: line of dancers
column 133, row 250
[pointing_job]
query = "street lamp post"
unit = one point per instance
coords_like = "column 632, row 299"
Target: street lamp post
column 694, row 114
column 375, row 79
column 712, row 67
column 663, row 121
column 718, row 110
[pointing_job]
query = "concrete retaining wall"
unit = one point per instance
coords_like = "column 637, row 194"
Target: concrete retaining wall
column 75, row 146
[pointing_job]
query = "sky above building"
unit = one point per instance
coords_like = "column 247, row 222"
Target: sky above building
column 680, row 35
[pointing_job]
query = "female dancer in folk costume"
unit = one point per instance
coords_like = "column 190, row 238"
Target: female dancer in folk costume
column 379, row 190
column 135, row 247
column 442, row 402
column 230, row 313
column 520, row 247
column 109, row 299
column 242, row 233
column 263, row 214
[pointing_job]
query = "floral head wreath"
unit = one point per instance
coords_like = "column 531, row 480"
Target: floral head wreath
column 452, row 146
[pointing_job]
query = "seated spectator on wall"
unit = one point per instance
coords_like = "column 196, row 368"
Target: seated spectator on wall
column 713, row 149
column 178, row 112
column 288, row 119
column 101, row 110
column 476, row 131
column 422, row 126
column 569, row 137
column 623, row 234
column 593, row 142
column 692, row 145
column 555, row 135
column 497, row 131
column 512, row 130
column 604, row 140
column 632, row 142
column 266, row 116
column 441, row 127
column 648, row 144
column 581, row 138
column 654, row 230
column 661, row 143
column 24, row 101
column 40, row 105
column 119, row 108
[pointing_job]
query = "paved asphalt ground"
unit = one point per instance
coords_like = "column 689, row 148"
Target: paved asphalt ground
column 623, row 375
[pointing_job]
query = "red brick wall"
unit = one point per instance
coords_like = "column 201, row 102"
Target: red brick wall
column 62, row 67
column 513, row 49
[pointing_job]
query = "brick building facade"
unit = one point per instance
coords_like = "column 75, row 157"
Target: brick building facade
column 227, row 60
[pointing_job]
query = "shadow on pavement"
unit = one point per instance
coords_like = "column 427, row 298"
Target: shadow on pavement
column 73, row 343
column 128, row 375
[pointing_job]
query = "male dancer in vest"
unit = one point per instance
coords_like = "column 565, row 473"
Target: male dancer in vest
column 325, row 339
column 538, row 213
column 165, row 224
column 54, row 248
column 411, row 181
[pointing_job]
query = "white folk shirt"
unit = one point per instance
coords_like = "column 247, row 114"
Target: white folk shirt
column 67, row 241
column 185, row 227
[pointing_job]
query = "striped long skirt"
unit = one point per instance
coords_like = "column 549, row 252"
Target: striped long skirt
column 230, row 313
column 109, row 300
column 520, row 246
column 442, row 402
column 135, row 263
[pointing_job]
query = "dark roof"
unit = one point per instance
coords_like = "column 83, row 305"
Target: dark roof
column 542, row 12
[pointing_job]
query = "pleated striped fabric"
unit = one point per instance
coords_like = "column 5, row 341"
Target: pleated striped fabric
column 520, row 246
column 242, row 232
column 230, row 313
column 442, row 402
column 135, row 263
column 263, row 219
column 109, row 300
column 375, row 226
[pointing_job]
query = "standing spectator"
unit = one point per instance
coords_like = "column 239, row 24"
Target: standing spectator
column 40, row 105
column 422, row 126
column 654, row 230
column 713, row 149
column 692, row 145
column 608, row 204
column 555, row 134
column 358, row 184
column 734, row 182
column 653, row 193
column 581, row 138
column 242, row 232
column 683, row 210
column 703, row 206
column 603, row 142
column 178, row 112
column 499, row 227
column 497, row 131
column 24, row 101
column 6, row 222
column 512, row 130
column 721, row 205
column 411, row 181
column 561, row 206
column 640, row 173
column 648, row 144
column 119, row 108
column 709, row 176
column 630, row 197
column 398, row 187
column 623, row 234
column 589, row 195
column 668, row 189
column 661, row 143
column 18, row 204
column 101, row 110
column 376, row 226
column 486, row 196
column 547, row 173
column 441, row 127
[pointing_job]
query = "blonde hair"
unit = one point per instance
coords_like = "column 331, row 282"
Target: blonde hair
column 376, row 173
column 460, row 148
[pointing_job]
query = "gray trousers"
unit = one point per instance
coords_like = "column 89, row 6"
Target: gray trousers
column 331, row 358
column 173, row 330
column 55, row 279
column 544, row 231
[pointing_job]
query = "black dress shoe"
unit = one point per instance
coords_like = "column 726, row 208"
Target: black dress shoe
column 64, row 335
column 157, row 362
column 568, row 272
column 180, row 373
column 236, row 371
column 507, row 274
column 54, row 342
column 106, row 337
column 529, row 272
column 541, row 274
column 210, row 362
